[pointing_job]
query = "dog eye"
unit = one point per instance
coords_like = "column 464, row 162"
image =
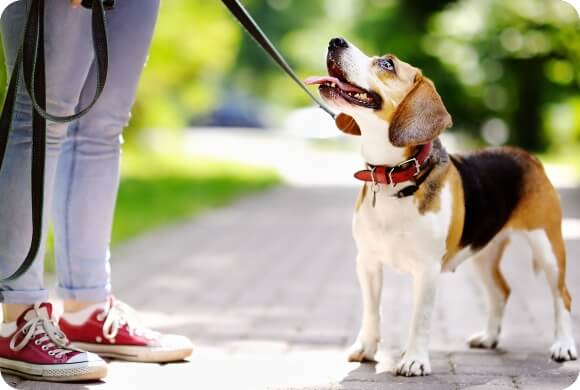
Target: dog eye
column 387, row 64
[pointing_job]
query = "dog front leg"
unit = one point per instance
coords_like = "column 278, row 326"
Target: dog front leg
column 370, row 277
column 415, row 360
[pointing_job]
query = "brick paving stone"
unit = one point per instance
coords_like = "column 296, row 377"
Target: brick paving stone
column 267, row 290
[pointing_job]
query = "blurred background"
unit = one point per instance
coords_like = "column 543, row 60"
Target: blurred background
column 509, row 72
column 215, row 117
column 266, row 288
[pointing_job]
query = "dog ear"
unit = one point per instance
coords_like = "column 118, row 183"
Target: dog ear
column 420, row 117
column 347, row 124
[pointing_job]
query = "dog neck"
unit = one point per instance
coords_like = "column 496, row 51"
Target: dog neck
column 376, row 148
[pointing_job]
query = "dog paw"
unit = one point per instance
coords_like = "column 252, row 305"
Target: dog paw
column 483, row 340
column 563, row 350
column 362, row 352
column 413, row 365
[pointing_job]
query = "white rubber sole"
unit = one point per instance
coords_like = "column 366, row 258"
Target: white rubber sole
column 137, row 353
column 84, row 371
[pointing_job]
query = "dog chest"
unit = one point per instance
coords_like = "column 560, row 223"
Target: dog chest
column 396, row 233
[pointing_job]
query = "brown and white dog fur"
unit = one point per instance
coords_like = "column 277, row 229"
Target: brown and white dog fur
column 468, row 206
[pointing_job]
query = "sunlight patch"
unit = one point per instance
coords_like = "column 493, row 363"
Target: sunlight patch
column 571, row 228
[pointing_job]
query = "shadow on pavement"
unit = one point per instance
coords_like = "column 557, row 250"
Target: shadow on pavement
column 15, row 382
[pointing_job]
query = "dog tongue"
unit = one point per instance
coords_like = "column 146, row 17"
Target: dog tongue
column 329, row 80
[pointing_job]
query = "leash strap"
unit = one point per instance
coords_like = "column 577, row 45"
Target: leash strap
column 30, row 61
column 100, row 48
column 254, row 30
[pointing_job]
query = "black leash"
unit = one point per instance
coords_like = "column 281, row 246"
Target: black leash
column 252, row 27
column 30, row 62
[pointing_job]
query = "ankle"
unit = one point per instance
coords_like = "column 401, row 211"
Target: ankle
column 11, row 312
column 76, row 306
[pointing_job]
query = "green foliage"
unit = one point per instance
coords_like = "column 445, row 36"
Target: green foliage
column 512, row 58
column 195, row 44
column 502, row 67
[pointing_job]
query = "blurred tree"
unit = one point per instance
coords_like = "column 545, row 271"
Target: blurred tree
column 194, row 46
column 507, row 70
column 498, row 65
column 514, row 57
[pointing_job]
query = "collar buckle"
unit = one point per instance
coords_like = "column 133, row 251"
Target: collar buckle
column 414, row 161
column 401, row 164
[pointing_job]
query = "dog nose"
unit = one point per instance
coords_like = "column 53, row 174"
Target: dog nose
column 336, row 43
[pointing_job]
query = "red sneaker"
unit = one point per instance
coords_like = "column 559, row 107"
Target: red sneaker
column 114, row 331
column 34, row 347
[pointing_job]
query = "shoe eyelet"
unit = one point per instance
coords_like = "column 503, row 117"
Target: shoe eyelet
column 37, row 342
column 51, row 353
column 23, row 331
column 44, row 348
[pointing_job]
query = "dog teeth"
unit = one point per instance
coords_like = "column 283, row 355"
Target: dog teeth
column 361, row 96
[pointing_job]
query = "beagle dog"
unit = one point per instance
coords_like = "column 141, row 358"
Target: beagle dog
column 424, row 211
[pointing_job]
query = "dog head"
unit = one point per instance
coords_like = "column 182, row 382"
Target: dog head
column 382, row 91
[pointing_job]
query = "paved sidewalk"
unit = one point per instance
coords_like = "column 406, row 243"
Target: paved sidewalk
column 267, row 291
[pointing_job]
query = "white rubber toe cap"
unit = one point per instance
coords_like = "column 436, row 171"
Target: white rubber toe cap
column 173, row 341
column 86, row 357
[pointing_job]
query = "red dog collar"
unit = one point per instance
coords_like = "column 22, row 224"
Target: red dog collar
column 400, row 173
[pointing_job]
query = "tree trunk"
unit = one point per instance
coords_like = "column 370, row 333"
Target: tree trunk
column 527, row 123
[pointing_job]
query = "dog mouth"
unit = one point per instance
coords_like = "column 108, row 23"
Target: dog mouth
column 331, row 87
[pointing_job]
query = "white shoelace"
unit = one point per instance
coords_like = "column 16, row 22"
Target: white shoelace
column 118, row 314
column 58, row 344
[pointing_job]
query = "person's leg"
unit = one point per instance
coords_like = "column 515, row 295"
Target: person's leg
column 87, row 183
column 31, row 345
column 88, row 169
column 68, row 59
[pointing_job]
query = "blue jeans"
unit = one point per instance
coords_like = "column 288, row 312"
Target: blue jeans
column 82, row 163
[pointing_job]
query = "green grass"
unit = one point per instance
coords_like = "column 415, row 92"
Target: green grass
column 159, row 189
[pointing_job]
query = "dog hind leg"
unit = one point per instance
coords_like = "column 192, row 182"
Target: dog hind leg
column 548, row 249
column 497, row 291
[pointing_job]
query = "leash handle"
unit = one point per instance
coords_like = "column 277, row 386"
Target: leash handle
column 100, row 47
column 254, row 30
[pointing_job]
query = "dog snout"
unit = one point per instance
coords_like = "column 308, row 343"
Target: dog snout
column 334, row 58
column 336, row 48
column 337, row 43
